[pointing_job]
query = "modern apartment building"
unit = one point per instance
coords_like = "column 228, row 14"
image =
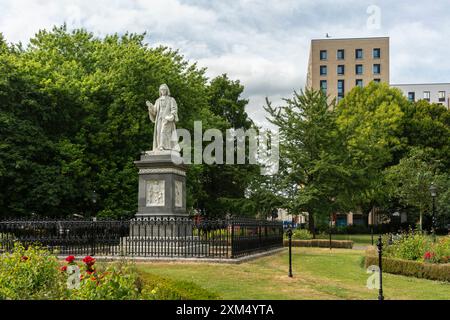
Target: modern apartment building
column 432, row 92
column 338, row 65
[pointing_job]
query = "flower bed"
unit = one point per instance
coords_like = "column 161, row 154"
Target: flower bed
column 417, row 247
column 418, row 269
column 35, row 273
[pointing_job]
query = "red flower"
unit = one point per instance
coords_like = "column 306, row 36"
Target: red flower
column 428, row 255
column 70, row 259
column 24, row 258
column 64, row 268
column 89, row 272
column 89, row 260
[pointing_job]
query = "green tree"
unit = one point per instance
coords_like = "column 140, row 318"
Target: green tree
column 410, row 180
column 73, row 120
column 313, row 174
column 225, row 185
column 427, row 125
column 370, row 120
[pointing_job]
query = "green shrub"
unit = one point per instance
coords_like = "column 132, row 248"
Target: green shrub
column 167, row 289
column 409, row 247
column 417, row 247
column 442, row 250
column 30, row 273
column 301, row 234
column 112, row 281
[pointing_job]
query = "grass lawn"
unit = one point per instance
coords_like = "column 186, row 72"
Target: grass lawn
column 318, row 274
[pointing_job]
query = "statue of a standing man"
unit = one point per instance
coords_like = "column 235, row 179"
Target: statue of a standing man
column 164, row 113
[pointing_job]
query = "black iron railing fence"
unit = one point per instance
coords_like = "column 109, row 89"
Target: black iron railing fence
column 155, row 236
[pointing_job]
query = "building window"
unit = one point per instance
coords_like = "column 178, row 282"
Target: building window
column 323, row 86
column 441, row 96
column 340, row 54
column 359, row 69
column 340, row 70
column 426, row 95
column 377, row 53
column 377, row 80
column 323, row 55
column 323, row 70
column 412, row 96
column 341, row 88
column 359, row 83
column 376, row 68
column 359, row 53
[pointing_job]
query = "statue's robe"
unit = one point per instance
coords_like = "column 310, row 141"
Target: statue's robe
column 164, row 135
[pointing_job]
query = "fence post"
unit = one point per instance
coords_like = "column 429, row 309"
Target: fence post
column 232, row 239
column 93, row 234
column 259, row 234
column 380, row 265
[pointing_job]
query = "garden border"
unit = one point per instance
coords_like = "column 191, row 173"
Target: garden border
column 321, row 243
column 417, row 269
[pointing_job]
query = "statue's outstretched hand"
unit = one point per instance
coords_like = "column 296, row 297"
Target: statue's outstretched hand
column 149, row 104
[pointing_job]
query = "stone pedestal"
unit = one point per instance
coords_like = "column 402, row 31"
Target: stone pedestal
column 162, row 189
column 162, row 185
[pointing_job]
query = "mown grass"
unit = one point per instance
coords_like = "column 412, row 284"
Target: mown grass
column 318, row 274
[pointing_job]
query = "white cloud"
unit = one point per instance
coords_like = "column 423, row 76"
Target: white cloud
column 264, row 43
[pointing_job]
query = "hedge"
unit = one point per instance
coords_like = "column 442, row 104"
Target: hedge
column 169, row 289
column 409, row 268
column 321, row 243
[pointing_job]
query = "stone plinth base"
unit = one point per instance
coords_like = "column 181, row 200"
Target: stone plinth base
column 162, row 184
column 161, row 227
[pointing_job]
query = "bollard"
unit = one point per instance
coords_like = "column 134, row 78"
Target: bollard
column 380, row 264
column 289, row 233
column 330, row 240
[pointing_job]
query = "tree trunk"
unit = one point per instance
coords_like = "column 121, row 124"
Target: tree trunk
column 312, row 228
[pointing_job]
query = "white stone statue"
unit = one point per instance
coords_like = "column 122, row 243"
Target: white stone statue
column 164, row 113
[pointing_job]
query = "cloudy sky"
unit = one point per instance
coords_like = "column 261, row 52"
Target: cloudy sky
column 263, row 43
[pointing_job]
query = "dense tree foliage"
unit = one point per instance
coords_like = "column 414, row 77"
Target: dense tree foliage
column 409, row 181
column 374, row 149
column 313, row 169
column 73, row 120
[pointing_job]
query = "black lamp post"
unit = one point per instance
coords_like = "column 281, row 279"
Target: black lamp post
column 331, row 226
column 433, row 192
column 94, row 198
column 371, row 224
column 333, row 199
column 289, row 234
column 380, row 266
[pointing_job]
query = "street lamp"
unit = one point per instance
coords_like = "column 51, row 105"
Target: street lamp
column 289, row 234
column 433, row 192
column 330, row 230
column 94, row 198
